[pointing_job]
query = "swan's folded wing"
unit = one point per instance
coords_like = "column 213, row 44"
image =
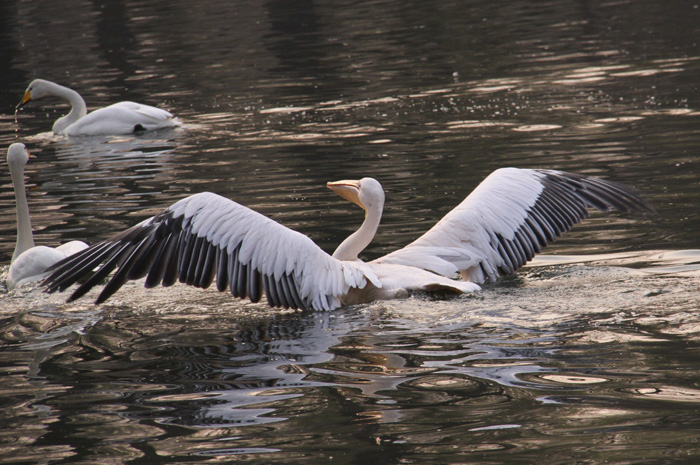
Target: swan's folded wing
column 122, row 118
column 509, row 218
column 206, row 237
column 148, row 112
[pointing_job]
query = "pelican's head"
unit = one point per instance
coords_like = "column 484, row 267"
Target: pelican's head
column 18, row 154
column 37, row 89
column 367, row 192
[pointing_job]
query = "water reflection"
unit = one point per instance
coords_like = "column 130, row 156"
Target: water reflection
column 310, row 378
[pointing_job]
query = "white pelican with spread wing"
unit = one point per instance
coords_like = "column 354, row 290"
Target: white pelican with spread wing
column 206, row 238
column 119, row 118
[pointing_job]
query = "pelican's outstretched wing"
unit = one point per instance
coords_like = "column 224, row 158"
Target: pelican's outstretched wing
column 206, row 237
column 509, row 218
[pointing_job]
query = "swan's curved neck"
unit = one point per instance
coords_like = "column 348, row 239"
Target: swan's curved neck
column 77, row 111
column 25, row 241
column 351, row 247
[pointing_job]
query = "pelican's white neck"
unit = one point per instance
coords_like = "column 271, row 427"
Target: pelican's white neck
column 351, row 247
column 25, row 241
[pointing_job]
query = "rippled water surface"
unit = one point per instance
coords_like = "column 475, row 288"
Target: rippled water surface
column 590, row 355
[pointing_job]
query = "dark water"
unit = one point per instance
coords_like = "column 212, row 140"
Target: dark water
column 589, row 357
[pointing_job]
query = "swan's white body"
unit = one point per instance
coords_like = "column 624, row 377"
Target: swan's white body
column 119, row 118
column 205, row 238
column 29, row 262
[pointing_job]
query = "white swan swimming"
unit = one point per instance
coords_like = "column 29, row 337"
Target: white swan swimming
column 203, row 238
column 119, row 118
column 29, row 262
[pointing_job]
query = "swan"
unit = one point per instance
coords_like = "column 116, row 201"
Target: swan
column 203, row 238
column 29, row 262
column 119, row 118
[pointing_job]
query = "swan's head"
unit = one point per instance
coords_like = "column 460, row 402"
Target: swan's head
column 18, row 155
column 367, row 192
column 37, row 89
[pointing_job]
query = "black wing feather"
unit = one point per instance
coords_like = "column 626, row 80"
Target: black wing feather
column 221, row 270
column 156, row 275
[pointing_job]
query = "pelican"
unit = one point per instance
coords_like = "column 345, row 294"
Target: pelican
column 119, row 118
column 203, row 238
column 29, row 262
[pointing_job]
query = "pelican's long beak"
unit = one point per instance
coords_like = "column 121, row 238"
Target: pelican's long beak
column 347, row 189
column 27, row 97
column 30, row 155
